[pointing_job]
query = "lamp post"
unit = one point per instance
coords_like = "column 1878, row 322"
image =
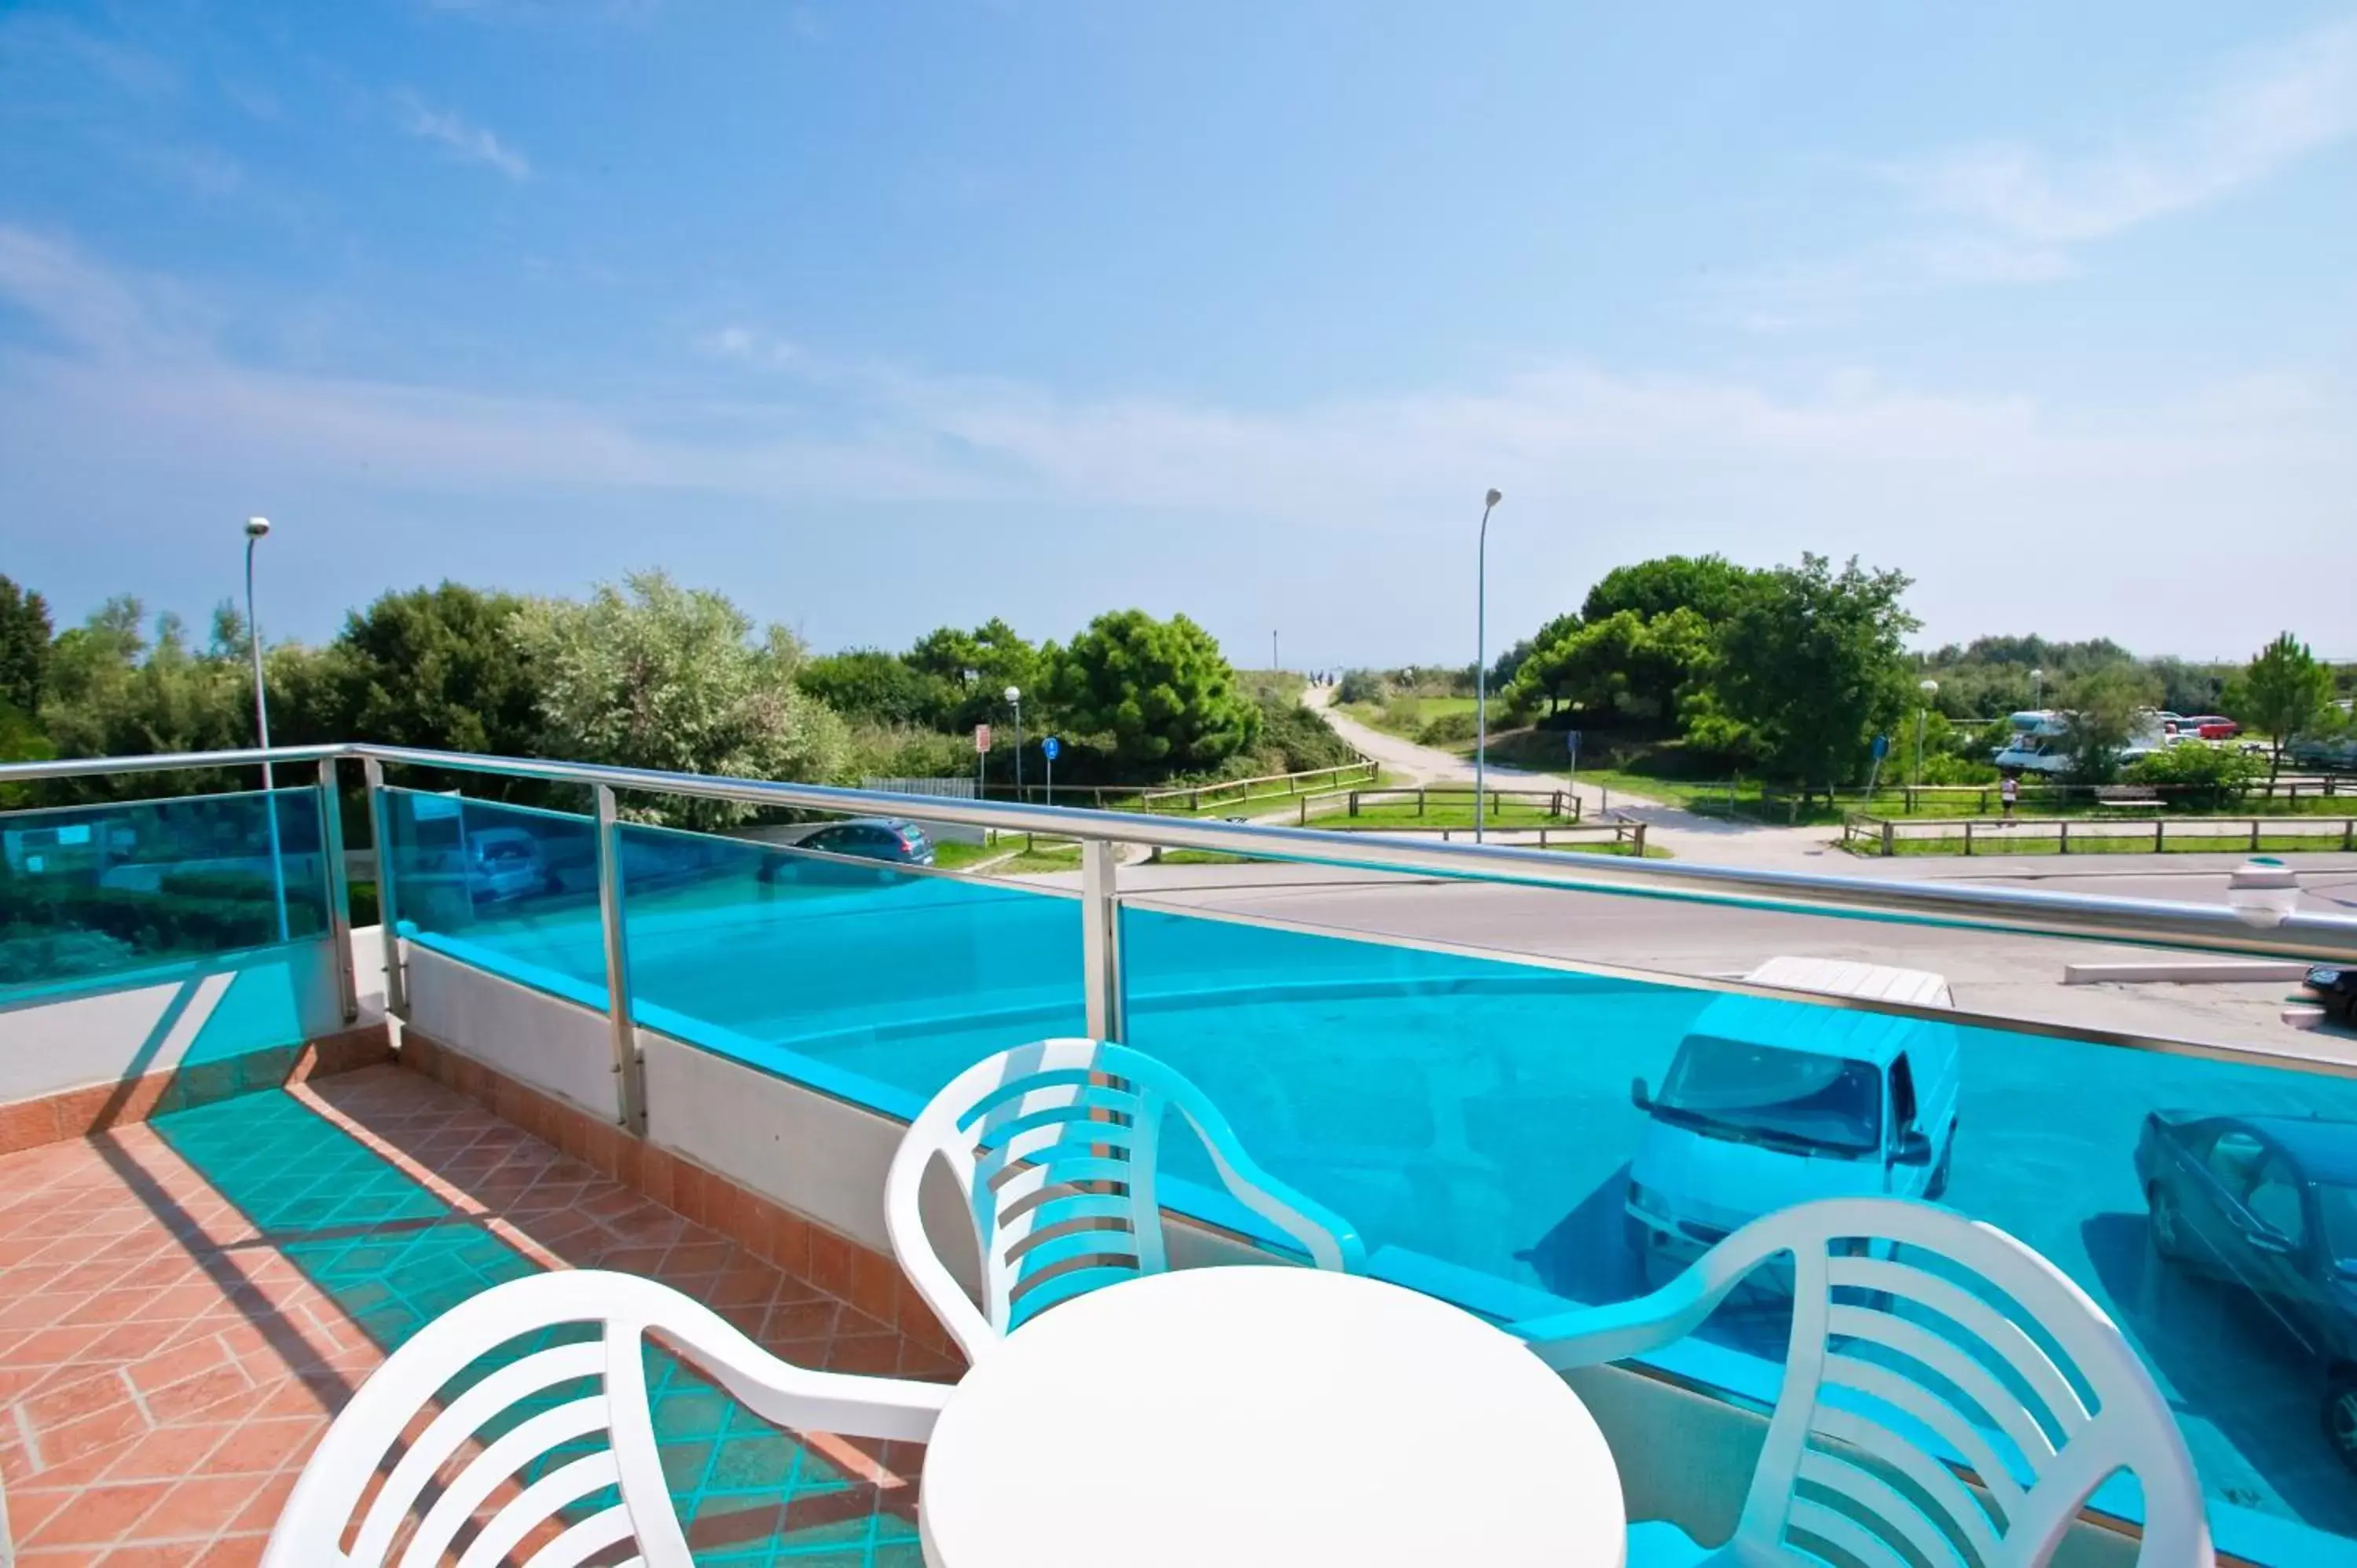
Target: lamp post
column 257, row 529
column 1480, row 659
column 1930, row 689
column 1015, row 701
column 2038, row 688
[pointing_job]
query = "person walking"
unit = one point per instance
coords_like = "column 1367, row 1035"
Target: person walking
column 2009, row 791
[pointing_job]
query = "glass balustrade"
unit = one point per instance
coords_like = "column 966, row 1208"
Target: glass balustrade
column 92, row 892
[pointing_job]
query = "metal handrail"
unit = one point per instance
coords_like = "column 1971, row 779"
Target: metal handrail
column 2208, row 927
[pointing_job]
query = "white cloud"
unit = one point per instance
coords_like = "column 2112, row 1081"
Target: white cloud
column 464, row 141
column 1984, row 497
column 2276, row 110
column 2008, row 213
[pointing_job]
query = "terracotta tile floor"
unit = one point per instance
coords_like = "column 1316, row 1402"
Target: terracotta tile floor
column 185, row 1303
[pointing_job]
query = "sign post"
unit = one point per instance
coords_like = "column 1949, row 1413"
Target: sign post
column 1571, row 744
column 1048, row 749
column 1881, row 750
column 981, row 757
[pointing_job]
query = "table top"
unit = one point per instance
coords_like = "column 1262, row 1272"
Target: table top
column 1250, row 1415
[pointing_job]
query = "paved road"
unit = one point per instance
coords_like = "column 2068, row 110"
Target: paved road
column 1682, row 832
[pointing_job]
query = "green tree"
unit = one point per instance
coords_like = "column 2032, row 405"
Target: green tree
column 115, row 690
column 869, row 683
column 438, row 668
column 24, row 633
column 1592, row 666
column 653, row 675
column 1811, row 668
column 975, row 669
column 2198, row 778
column 1160, row 692
column 2106, row 709
column 2281, row 693
column 1710, row 585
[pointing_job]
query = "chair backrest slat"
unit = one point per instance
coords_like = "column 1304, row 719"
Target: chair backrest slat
column 457, row 1423
column 1067, row 1133
column 497, row 1463
column 1845, row 1477
column 1920, row 1339
column 530, row 1452
column 538, row 1504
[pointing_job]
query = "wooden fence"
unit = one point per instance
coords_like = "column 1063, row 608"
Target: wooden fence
column 2099, row 835
column 1617, row 830
column 1558, row 802
column 1233, row 791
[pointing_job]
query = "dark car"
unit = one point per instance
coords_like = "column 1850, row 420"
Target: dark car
column 874, row 838
column 2267, row 1204
column 2334, row 986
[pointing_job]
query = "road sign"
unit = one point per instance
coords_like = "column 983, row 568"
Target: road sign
column 1050, row 746
column 1571, row 741
column 1881, row 747
column 982, row 737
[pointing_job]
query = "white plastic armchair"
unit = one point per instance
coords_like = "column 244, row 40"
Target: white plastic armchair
column 1054, row 1147
column 492, row 1454
column 1916, row 1329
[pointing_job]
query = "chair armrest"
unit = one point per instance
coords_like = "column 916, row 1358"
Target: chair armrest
column 1587, row 1337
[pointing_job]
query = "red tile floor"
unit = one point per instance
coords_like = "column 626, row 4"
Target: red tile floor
column 184, row 1305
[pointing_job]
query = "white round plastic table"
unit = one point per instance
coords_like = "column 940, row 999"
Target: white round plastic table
column 1251, row 1415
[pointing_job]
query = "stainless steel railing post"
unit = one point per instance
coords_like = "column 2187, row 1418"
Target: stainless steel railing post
column 340, row 889
column 1101, row 939
column 388, row 906
column 630, row 1069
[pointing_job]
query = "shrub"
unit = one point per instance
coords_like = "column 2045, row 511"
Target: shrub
column 1295, row 740
column 1359, row 686
column 2201, row 776
column 1448, row 729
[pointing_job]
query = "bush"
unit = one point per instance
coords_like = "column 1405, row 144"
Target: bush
column 1359, row 686
column 1448, row 729
column 2200, row 776
column 1295, row 740
column 903, row 751
column 1953, row 769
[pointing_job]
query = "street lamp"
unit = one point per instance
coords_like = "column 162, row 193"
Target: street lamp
column 1930, row 689
column 1015, row 701
column 1480, row 659
column 257, row 529
column 2038, row 688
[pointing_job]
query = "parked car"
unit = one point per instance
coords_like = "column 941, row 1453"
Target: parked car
column 2334, row 985
column 2323, row 751
column 894, row 839
column 1769, row 1103
column 2213, row 727
column 503, row 863
column 2267, row 1204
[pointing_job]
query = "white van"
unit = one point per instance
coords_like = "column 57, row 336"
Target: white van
column 1769, row 1103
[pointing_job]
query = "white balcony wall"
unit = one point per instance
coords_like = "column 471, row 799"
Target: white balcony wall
column 124, row 1026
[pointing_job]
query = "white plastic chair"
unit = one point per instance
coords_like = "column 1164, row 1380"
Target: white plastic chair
column 1993, row 1324
column 368, row 1432
column 1054, row 1147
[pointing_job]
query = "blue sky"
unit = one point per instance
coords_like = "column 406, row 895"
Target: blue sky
column 878, row 316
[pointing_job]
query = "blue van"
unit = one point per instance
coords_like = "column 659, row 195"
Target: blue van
column 1769, row 1103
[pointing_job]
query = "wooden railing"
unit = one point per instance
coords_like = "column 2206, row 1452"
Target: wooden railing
column 1561, row 804
column 2098, row 835
column 1233, row 791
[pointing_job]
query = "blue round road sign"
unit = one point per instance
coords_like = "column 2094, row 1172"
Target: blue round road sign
column 1051, row 745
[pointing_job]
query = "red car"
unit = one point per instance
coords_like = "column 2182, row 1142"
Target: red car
column 2213, row 727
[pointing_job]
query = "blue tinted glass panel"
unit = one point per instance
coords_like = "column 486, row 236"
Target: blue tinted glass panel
column 795, row 960
column 1474, row 1119
column 88, row 891
column 510, row 887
